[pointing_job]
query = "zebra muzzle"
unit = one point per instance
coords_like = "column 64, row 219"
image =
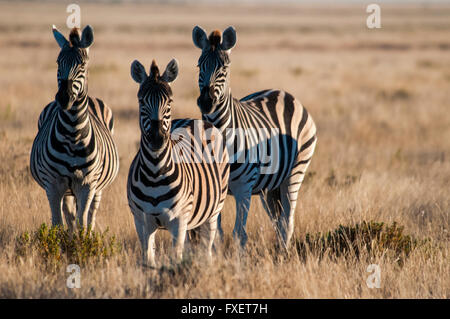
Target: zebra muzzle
column 156, row 135
column 63, row 96
column 205, row 101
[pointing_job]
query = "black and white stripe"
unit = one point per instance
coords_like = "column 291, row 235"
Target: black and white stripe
column 74, row 156
column 173, row 183
column 271, row 119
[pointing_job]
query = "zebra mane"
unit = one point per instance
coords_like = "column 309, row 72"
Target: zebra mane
column 214, row 39
column 154, row 71
column 74, row 37
column 154, row 82
column 221, row 56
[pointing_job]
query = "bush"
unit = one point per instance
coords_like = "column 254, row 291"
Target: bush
column 56, row 244
column 375, row 238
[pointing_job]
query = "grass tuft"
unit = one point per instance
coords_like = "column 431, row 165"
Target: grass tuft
column 57, row 244
column 375, row 238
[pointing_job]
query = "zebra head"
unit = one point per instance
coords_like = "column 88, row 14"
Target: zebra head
column 214, row 65
column 72, row 65
column 155, row 98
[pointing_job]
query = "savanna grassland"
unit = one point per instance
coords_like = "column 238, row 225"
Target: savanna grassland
column 380, row 99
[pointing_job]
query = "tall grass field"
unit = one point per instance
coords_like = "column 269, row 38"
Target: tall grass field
column 376, row 193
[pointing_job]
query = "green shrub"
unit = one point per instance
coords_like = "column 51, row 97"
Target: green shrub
column 375, row 238
column 56, row 244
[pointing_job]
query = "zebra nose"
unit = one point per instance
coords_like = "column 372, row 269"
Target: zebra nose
column 156, row 126
column 207, row 92
column 211, row 92
column 62, row 96
column 204, row 101
column 204, row 90
column 156, row 134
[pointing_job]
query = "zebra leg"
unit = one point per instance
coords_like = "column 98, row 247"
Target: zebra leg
column 285, row 222
column 55, row 196
column 178, row 230
column 69, row 209
column 138, row 223
column 219, row 226
column 218, row 230
column 289, row 192
column 193, row 237
column 84, row 200
column 208, row 233
column 93, row 209
column 211, row 229
column 242, row 207
column 271, row 202
column 149, row 252
column 146, row 230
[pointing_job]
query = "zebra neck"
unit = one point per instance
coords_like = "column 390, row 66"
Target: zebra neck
column 222, row 116
column 159, row 162
column 75, row 122
column 79, row 107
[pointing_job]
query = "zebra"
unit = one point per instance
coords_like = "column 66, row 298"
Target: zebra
column 172, row 184
column 270, row 117
column 74, row 156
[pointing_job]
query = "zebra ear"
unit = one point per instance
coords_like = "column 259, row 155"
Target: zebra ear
column 59, row 37
column 228, row 39
column 171, row 72
column 138, row 72
column 199, row 37
column 87, row 37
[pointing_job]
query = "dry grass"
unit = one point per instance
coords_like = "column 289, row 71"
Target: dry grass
column 380, row 100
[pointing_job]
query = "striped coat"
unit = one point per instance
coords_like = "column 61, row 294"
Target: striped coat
column 54, row 146
column 178, row 179
column 270, row 136
column 74, row 156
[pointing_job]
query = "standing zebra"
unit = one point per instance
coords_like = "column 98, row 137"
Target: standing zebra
column 172, row 183
column 270, row 117
column 73, row 155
